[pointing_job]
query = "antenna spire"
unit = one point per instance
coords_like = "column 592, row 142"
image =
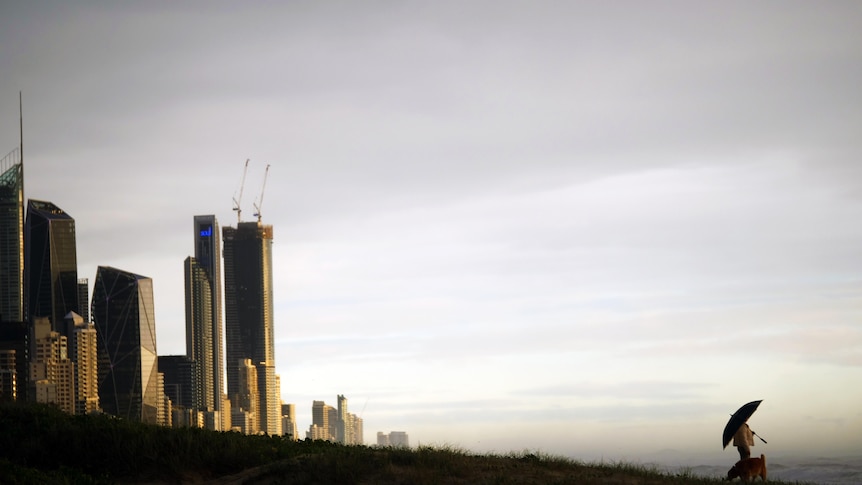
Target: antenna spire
column 21, row 142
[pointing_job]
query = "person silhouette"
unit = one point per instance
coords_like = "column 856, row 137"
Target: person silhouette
column 743, row 440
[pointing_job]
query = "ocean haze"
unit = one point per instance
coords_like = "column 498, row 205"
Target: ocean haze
column 586, row 228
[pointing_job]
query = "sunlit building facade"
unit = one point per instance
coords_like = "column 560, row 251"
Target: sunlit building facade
column 84, row 354
column 288, row 421
column 51, row 371
column 123, row 313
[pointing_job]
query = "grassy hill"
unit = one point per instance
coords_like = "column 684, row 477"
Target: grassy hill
column 39, row 444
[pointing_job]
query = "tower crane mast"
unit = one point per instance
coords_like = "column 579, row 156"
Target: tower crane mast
column 237, row 200
column 259, row 203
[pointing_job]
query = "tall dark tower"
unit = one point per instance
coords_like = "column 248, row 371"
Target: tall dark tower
column 249, row 315
column 123, row 313
column 51, row 264
column 12, row 229
column 12, row 237
column 204, row 338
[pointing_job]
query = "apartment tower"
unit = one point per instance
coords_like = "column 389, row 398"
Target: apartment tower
column 203, row 312
column 249, row 316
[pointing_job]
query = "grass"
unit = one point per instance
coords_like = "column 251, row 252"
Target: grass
column 40, row 444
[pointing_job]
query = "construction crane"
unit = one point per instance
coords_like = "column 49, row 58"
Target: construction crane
column 237, row 200
column 259, row 203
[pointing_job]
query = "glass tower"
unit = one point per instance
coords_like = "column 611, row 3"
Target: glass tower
column 12, row 238
column 51, row 263
column 249, row 315
column 126, row 328
column 204, row 339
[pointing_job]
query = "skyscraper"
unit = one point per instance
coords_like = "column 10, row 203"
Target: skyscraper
column 12, row 237
column 341, row 431
column 51, row 264
column 199, row 332
column 203, row 311
column 249, row 315
column 123, row 312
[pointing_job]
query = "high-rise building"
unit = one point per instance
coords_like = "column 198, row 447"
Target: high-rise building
column 83, row 352
column 12, row 237
column 288, row 421
column 51, row 264
column 358, row 430
column 340, row 425
column 84, row 299
column 123, row 312
column 323, row 421
column 249, row 315
column 204, row 327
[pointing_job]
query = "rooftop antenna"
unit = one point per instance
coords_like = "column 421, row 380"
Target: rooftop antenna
column 21, row 147
column 237, row 200
column 259, row 203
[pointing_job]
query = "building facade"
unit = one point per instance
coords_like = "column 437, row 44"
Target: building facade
column 181, row 381
column 249, row 332
column 288, row 422
column 51, row 264
column 12, row 238
column 199, row 331
column 84, row 299
column 123, row 313
column 51, row 371
column 395, row 439
column 14, row 360
column 83, row 352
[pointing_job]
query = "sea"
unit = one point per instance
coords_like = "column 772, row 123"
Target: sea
column 822, row 471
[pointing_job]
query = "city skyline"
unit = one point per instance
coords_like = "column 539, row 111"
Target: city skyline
column 588, row 229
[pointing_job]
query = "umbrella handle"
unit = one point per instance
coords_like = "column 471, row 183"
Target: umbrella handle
column 758, row 436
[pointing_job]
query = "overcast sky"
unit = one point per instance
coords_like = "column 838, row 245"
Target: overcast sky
column 586, row 228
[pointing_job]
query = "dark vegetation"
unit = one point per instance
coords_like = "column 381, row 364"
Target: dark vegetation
column 40, row 444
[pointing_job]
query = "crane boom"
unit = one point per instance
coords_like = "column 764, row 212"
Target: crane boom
column 259, row 203
column 236, row 201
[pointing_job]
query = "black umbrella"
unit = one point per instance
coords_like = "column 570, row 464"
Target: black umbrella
column 737, row 419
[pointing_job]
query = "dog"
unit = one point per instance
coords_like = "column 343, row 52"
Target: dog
column 748, row 469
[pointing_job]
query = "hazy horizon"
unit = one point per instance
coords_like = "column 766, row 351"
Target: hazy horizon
column 588, row 228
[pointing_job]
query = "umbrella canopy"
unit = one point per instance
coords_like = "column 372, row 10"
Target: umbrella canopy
column 737, row 419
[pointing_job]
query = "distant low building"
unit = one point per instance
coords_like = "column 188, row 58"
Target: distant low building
column 395, row 438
